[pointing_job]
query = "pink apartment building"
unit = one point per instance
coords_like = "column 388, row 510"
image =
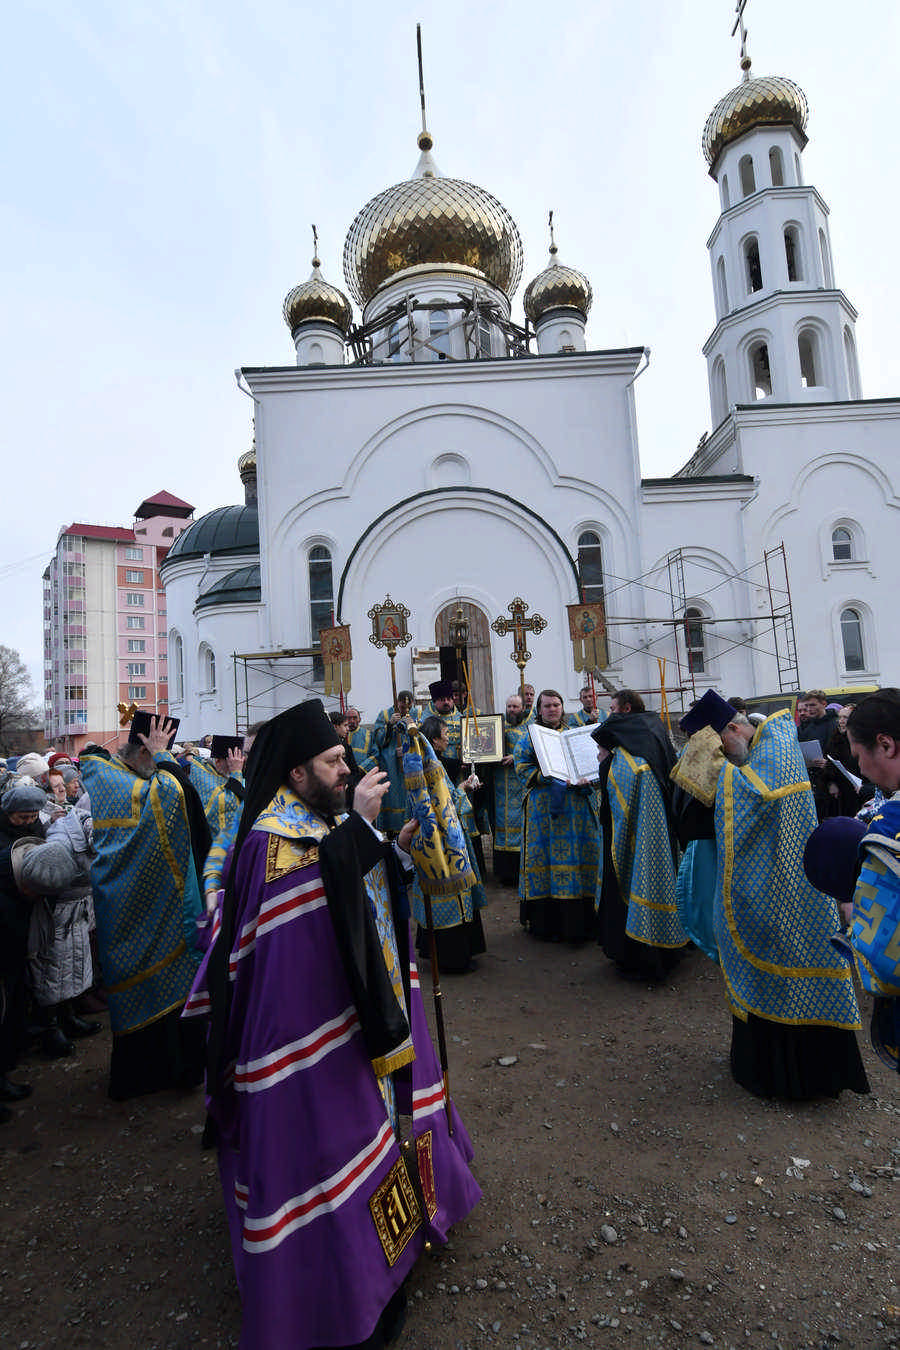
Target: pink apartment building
column 105, row 636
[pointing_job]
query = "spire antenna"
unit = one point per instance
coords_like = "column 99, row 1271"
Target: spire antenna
column 739, row 8
column 425, row 141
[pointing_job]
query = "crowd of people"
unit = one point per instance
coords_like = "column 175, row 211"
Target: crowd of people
column 249, row 912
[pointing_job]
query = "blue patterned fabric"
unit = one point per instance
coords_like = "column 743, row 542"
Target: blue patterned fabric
column 508, row 795
column 875, row 928
column 205, row 778
column 361, row 745
column 560, row 854
column 386, row 742
column 214, row 867
column 440, row 847
column 582, row 719
column 448, row 911
column 642, row 853
column 773, row 928
column 695, row 895
column 146, row 894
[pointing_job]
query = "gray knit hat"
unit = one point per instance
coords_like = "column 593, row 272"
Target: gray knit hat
column 42, row 868
column 25, row 796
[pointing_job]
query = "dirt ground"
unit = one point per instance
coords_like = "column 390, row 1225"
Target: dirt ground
column 633, row 1195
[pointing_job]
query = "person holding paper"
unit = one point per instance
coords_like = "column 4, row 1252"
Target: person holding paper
column 560, row 843
column 640, row 930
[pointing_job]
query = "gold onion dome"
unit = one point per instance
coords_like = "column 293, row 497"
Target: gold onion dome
column 317, row 301
column 557, row 287
column 247, row 461
column 771, row 100
column 431, row 220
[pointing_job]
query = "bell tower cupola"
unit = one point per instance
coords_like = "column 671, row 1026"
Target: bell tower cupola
column 784, row 331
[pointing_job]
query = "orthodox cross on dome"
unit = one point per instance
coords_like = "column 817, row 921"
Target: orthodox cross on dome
column 739, row 8
column 425, row 140
column 553, row 249
column 519, row 626
column 316, row 262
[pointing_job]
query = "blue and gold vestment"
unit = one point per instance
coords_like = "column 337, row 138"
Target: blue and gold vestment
column 641, row 849
column 773, row 928
column 146, row 893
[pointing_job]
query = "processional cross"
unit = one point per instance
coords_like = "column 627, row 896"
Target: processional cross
column 519, row 626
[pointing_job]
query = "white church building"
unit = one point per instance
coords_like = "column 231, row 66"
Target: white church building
column 436, row 452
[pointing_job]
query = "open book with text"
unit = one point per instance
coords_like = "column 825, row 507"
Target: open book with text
column 569, row 755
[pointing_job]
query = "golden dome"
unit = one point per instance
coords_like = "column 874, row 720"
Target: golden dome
column 316, row 300
column 431, row 220
column 247, row 461
column 557, row 287
column 771, row 100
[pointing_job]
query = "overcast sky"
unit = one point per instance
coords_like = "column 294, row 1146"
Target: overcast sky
column 164, row 162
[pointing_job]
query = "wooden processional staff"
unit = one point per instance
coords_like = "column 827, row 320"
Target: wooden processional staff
column 389, row 630
column 519, row 626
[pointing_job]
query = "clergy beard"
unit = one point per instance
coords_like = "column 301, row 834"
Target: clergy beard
column 514, row 718
column 738, row 757
column 324, row 800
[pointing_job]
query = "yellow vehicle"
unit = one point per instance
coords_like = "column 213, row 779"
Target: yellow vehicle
column 772, row 703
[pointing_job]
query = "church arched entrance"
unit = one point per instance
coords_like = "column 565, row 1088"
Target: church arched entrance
column 476, row 653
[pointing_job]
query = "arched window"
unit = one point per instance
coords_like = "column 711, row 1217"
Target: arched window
column 695, row 641
column 776, row 167
column 321, row 600
column 726, row 198
column 395, row 339
column 439, row 333
column 841, row 544
column 485, row 345
column 748, row 177
column 722, row 286
column 176, row 665
column 720, row 391
column 752, row 265
column 852, row 366
column 590, row 568
column 315, row 354
column 852, row 640
column 826, row 261
column 760, row 371
column 807, row 350
column 208, row 669
column 792, row 253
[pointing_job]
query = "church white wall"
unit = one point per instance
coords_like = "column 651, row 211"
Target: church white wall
column 557, row 435
column 704, row 521
column 220, row 629
column 818, row 469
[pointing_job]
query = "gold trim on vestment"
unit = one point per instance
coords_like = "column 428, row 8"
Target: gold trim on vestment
column 395, row 1212
column 282, row 857
column 134, row 980
column 385, row 1064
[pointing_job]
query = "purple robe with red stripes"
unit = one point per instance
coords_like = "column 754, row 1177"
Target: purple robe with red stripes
column 308, row 1156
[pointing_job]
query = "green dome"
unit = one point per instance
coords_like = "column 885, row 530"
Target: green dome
column 228, row 529
column 241, row 587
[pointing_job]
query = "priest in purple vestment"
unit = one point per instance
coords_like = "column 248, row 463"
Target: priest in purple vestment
column 340, row 1157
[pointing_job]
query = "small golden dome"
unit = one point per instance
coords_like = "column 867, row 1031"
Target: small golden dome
column 431, row 220
column 316, row 300
column 247, row 461
column 557, row 287
column 771, row 100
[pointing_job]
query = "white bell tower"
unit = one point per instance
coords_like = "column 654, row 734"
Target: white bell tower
column 784, row 331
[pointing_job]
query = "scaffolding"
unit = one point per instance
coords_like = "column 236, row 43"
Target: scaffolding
column 247, row 663
column 400, row 339
column 776, row 621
